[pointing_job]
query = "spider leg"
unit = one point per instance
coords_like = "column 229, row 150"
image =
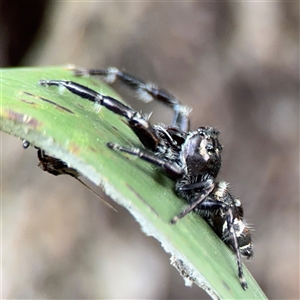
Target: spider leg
column 207, row 187
column 141, row 127
column 235, row 247
column 171, row 169
column 145, row 92
column 205, row 184
column 213, row 206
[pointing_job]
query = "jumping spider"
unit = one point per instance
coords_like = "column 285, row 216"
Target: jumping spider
column 191, row 158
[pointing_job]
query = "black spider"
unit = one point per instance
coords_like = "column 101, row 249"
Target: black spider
column 191, row 158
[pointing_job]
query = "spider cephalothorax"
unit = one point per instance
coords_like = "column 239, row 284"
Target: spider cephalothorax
column 191, row 158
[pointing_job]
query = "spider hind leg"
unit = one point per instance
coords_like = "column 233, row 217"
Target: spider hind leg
column 226, row 231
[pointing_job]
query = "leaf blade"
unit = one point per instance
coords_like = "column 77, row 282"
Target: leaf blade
column 49, row 118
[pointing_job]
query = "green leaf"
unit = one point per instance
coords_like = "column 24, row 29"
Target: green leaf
column 75, row 131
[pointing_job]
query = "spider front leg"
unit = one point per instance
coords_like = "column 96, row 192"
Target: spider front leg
column 146, row 92
column 141, row 127
column 206, row 188
column 171, row 170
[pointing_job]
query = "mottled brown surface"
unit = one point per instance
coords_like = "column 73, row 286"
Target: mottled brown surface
column 237, row 65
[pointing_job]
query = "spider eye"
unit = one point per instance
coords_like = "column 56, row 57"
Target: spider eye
column 201, row 131
column 209, row 148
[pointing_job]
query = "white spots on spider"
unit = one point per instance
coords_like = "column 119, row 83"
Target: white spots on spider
column 183, row 109
column 145, row 90
column 245, row 247
column 111, row 76
column 61, row 89
column 222, row 189
column 97, row 103
column 237, row 202
column 238, row 226
column 203, row 151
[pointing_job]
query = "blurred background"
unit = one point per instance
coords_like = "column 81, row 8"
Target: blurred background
column 235, row 63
